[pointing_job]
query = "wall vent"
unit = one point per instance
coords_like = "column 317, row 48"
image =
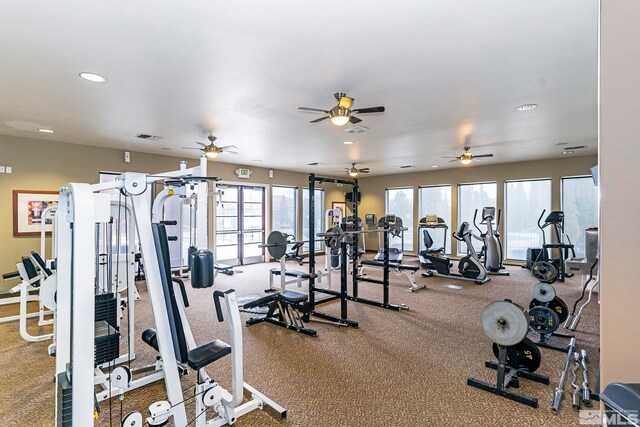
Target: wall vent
column 148, row 137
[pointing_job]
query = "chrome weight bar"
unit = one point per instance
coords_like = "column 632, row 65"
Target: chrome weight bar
column 334, row 236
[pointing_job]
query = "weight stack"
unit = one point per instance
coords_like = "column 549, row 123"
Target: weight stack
column 107, row 343
column 64, row 401
column 107, row 309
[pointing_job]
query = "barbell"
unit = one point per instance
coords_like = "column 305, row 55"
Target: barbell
column 277, row 244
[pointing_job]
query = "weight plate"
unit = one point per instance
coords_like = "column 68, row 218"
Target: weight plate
column 276, row 244
column 557, row 305
column 544, row 271
column 133, row 419
column 335, row 239
column 543, row 320
column 543, row 292
column 504, row 322
column 526, row 354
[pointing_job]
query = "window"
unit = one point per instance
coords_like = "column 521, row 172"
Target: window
column 283, row 209
column 436, row 200
column 580, row 206
column 470, row 198
column 319, row 217
column 400, row 203
column 524, row 202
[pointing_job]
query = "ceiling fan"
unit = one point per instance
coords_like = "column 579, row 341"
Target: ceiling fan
column 341, row 114
column 353, row 171
column 466, row 157
column 211, row 150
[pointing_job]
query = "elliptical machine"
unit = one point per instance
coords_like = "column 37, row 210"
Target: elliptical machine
column 470, row 268
column 492, row 246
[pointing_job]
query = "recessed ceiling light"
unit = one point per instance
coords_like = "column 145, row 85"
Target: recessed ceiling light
column 434, row 166
column 92, row 77
column 527, row 107
column 256, row 161
column 567, row 152
column 45, row 130
column 348, row 143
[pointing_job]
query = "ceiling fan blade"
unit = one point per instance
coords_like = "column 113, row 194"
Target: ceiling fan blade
column 354, row 120
column 319, row 120
column 369, row 110
column 364, row 170
column 345, row 102
column 454, row 160
column 229, row 148
column 200, row 143
column 313, row 109
column 449, row 157
column 482, row 155
column 191, row 148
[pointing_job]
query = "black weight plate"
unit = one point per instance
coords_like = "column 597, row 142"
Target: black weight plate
column 543, row 320
column 557, row 305
column 544, row 271
column 527, row 354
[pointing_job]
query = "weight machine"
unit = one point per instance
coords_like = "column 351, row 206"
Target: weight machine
column 81, row 343
column 339, row 237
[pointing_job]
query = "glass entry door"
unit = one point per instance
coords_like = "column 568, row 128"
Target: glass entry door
column 240, row 225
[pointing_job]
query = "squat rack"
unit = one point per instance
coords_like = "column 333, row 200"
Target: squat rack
column 343, row 294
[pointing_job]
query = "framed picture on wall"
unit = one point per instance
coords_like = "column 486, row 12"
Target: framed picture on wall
column 340, row 205
column 28, row 209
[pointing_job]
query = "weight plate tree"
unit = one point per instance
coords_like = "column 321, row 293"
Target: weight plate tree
column 527, row 355
column 556, row 304
column 543, row 320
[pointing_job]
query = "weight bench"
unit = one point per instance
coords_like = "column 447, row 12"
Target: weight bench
column 289, row 305
column 224, row 269
column 398, row 269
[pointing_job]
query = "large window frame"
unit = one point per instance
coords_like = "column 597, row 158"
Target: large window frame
column 436, row 234
column 577, row 236
column 293, row 230
column 406, row 222
column 319, row 245
column 462, row 249
column 534, row 238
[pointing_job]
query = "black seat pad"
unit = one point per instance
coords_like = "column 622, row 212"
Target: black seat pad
column 201, row 356
column 293, row 297
column 391, row 264
column 10, row 276
column 260, row 302
column 222, row 266
column 291, row 273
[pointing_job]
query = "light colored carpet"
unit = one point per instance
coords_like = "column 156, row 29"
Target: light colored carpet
column 404, row 368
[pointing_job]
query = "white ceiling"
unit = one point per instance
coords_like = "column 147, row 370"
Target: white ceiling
column 443, row 69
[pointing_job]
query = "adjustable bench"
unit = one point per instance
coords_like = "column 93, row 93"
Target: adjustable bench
column 398, row 269
column 224, row 269
column 289, row 305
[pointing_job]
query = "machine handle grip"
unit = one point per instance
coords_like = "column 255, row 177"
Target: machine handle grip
column 475, row 215
column 169, row 222
column 183, row 291
column 216, row 300
column 540, row 219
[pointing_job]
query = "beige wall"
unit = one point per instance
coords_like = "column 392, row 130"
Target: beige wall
column 619, row 178
column 373, row 189
column 47, row 165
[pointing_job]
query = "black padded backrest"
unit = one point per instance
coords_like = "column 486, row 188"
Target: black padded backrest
column 41, row 263
column 463, row 229
column 555, row 217
column 175, row 323
column 428, row 241
column 29, row 267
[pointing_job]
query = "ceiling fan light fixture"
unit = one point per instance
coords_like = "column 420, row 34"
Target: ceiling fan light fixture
column 340, row 116
column 353, row 173
column 466, row 158
column 465, row 161
column 211, row 154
